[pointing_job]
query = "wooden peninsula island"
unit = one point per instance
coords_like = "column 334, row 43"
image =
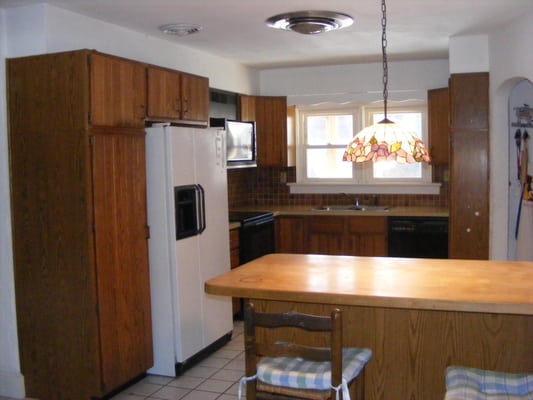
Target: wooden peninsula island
column 417, row 315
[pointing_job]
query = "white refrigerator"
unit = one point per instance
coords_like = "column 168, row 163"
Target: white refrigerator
column 185, row 319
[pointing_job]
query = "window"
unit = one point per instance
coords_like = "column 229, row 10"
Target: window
column 324, row 133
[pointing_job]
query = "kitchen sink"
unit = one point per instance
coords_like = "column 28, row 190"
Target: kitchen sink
column 359, row 208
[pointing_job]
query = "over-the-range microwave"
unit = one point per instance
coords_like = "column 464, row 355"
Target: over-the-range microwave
column 240, row 142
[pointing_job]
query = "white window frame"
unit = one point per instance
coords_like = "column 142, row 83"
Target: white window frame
column 362, row 181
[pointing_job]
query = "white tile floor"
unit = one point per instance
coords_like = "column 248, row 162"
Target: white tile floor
column 216, row 377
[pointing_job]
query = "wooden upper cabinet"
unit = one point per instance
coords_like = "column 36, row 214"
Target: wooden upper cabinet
column 118, row 91
column 439, row 125
column 174, row 95
column 195, row 98
column 469, row 99
column 246, row 108
column 271, row 127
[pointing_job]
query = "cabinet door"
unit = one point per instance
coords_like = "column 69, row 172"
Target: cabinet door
column 164, row 88
column 290, row 235
column 469, row 98
column 118, row 91
column 325, row 235
column 120, row 226
column 366, row 236
column 246, row 110
column 194, row 98
column 439, row 128
column 271, row 125
column 469, row 168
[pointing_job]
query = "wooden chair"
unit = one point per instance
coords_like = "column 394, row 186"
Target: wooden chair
column 284, row 370
column 476, row 384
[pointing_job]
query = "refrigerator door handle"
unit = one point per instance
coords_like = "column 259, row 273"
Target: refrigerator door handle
column 200, row 198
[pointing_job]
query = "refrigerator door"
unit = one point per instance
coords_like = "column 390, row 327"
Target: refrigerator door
column 188, row 284
column 160, row 204
column 214, row 241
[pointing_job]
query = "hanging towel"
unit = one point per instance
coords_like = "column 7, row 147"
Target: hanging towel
column 524, row 244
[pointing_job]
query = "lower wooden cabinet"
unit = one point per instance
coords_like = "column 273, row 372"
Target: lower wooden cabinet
column 234, row 245
column 290, row 234
column 332, row 235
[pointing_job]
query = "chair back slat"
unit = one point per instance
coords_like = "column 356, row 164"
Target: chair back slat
column 293, row 319
column 284, row 349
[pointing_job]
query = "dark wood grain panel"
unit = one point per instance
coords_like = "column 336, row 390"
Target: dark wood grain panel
column 122, row 255
column 469, row 167
column 54, row 87
column 195, row 98
column 164, row 93
column 439, row 125
column 54, row 278
column 325, row 235
column 290, row 236
column 118, row 91
column 469, row 99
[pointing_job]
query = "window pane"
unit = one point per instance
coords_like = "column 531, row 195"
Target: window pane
column 327, row 163
column 329, row 129
column 317, row 130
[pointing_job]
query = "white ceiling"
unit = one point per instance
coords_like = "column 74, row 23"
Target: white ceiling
column 235, row 29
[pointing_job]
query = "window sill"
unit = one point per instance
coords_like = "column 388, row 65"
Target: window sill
column 391, row 188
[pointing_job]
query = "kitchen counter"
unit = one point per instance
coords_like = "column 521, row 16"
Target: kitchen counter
column 417, row 315
column 392, row 212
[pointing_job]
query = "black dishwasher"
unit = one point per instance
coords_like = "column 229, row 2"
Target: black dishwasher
column 418, row 237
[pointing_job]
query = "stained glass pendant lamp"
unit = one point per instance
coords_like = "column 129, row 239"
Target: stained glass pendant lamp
column 386, row 140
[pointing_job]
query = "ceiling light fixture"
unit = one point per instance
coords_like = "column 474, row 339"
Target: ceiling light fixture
column 310, row 22
column 180, row 29
column 386, row 140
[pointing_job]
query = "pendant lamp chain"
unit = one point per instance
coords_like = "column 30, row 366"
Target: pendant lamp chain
column 384, row 54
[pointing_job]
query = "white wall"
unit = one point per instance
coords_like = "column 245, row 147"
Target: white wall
column 355, row 82
column 44, row 29
column 469, row 54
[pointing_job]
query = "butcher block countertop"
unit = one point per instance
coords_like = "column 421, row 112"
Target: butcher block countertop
column 423, row 284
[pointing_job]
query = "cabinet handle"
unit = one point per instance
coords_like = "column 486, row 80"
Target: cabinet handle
column 468, row 230
column 186, row 108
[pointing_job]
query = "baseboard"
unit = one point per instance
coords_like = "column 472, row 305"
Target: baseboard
column 12, row 385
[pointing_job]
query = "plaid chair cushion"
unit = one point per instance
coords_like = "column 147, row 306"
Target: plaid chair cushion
column 476, row 384
column 303, row 374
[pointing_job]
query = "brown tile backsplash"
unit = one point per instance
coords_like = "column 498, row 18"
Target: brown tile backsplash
column 262, row 187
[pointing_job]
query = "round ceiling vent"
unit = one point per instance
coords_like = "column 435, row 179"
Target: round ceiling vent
column 310, row 22
column 180, row 29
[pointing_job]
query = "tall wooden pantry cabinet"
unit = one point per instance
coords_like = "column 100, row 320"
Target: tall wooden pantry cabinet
column 469, row 166
column 78, row 187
